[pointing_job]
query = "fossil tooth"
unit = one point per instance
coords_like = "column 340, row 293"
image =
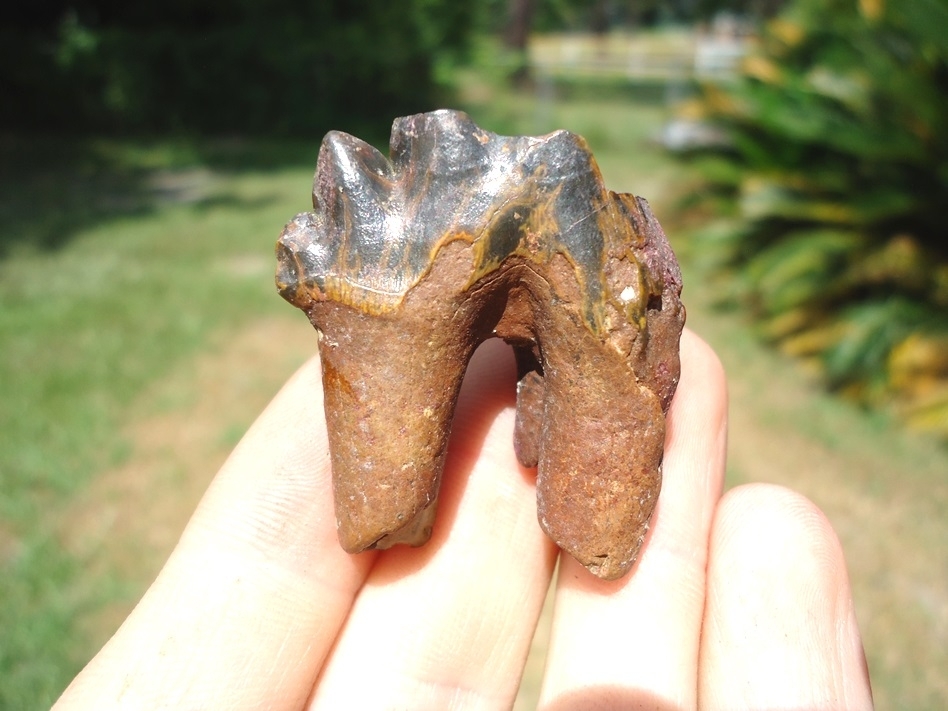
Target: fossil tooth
column 405, row 265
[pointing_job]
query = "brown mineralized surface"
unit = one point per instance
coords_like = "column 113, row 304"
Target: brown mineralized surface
column 406, row 264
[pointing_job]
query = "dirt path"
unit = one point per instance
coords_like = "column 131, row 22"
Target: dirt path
column 885, row 492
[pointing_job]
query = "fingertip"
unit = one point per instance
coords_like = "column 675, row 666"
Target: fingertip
column 789, row 531
column 702, row 372
column 779, row 621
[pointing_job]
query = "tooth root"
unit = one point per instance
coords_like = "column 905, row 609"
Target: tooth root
column 390, row 390
column 529, row 417
column 598, row 480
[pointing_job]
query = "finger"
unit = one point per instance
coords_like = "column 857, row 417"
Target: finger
column 634, row 642
column 780, row 631
column 249, row 604
column 449, row 625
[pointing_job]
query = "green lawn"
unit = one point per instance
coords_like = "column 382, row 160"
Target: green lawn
column 126, row 263
column 121, row 260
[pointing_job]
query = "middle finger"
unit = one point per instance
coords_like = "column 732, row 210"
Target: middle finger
column 449, row 625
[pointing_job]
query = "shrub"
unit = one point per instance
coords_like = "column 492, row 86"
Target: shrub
column 835, row 179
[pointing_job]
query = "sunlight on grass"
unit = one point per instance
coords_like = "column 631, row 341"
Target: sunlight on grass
column 86, row 325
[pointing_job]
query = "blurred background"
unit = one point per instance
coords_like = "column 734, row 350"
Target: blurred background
column 150, row 153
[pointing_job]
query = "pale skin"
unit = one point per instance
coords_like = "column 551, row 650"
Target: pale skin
column 738, row 601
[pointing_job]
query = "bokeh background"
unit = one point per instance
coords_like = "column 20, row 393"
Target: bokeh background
column 150, row 153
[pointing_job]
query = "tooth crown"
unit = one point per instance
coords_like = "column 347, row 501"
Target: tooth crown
column 406, row 265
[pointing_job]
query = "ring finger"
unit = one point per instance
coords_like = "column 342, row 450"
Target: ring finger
column 634, row 642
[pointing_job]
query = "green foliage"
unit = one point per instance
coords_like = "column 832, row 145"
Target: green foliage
column 284, row 67
column 835, row 179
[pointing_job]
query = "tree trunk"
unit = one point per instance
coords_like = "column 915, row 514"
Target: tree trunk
column 519, row 21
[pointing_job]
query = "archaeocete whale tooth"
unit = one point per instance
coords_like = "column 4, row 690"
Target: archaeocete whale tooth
column 406, row 264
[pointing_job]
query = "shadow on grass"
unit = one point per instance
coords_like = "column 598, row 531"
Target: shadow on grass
column 53, row 187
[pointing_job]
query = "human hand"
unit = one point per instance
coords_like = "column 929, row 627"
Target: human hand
column 740, row 601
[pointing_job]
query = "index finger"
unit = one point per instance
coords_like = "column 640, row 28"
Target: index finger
column 246, row 609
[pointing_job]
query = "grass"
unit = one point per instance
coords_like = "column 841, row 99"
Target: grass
column 123, row 262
